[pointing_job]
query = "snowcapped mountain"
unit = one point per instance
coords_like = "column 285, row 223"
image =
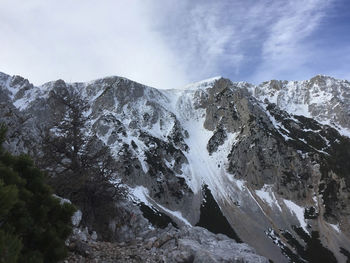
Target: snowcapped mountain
column 267, row 165
column 324, row 98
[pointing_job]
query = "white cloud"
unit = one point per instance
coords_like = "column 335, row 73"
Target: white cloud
column 286, row 47
column 165, row 44
column 83, row 40
column 204, row 34
column 263, row 38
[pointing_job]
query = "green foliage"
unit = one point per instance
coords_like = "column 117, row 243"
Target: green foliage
column 10, row 247
column 33, row 223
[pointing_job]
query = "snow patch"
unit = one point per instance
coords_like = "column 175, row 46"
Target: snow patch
column 239, row 183
column 176, row 214
column 277, row 125
column 298, row 211
column 77, row 216
column 335, row 227
column 308, row 98
column 203, row 84
column 141, row 194
column 267, row 195
column 203, row 168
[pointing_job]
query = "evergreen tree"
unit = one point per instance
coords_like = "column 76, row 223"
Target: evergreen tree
column 33, row 223
column 80, row 166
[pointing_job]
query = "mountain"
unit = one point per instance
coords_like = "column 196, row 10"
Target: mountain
column 324, row 98
column 266, row 165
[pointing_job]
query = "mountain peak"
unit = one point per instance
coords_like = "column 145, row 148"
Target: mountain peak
column 206, row 83
column 2, row 74
column 322, row 79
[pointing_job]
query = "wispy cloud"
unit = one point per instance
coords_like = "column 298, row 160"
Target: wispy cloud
column 250, row 39
column 161, row 43
column 82, row 40
column 286, row 47
column 195, row 33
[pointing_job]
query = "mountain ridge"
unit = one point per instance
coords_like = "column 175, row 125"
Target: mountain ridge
column 258, row 160
column 275, row 91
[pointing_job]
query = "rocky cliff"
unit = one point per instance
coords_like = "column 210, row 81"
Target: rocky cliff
column 267, row 165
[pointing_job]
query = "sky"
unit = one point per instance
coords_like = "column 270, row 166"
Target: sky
column 168, row 43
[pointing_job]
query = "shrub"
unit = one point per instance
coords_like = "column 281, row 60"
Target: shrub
column 33, row 223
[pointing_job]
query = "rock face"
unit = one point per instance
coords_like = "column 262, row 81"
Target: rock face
column 324, row 98
column 171, row 245
column 280, row 179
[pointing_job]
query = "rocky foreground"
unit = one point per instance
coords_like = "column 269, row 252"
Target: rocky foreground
column 187, row 244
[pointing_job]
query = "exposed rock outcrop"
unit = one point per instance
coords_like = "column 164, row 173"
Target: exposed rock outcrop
column 188, row 244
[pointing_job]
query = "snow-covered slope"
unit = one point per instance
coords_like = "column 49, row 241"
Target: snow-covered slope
column 324, row 98
column 277, row 177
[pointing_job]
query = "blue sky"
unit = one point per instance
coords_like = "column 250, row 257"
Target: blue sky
column 167, row 44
